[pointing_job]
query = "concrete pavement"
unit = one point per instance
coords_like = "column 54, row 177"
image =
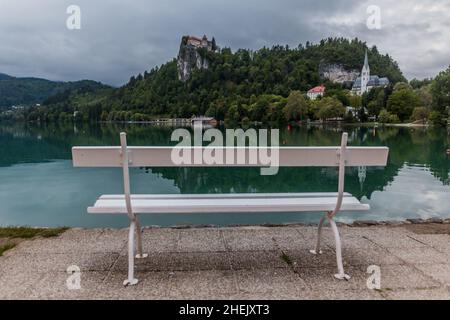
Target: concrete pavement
column 233, row 263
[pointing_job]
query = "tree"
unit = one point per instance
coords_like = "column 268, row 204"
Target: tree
column 420, row 113
column 355, row 101
column 402, row 86
column 387, row 117
column 296, row 107
column 440, row 90
column 384, row 116
column 374, row 108
column 402, row 103
column 330, row 108
column 425, row 96
column 104, row 116
column 437, row 119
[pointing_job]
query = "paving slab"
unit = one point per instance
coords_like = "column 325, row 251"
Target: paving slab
column 430, row 294
column 439, row 272
column 177, row 261
column 420, row 255
column 256, row 260
column 271, row 281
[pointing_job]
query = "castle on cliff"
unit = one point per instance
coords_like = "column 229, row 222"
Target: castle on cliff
column 191, row 56
column 196, row 42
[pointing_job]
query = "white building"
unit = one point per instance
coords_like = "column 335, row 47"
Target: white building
column 316, row 92
column 366, row 82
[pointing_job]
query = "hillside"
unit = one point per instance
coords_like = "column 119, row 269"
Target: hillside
column 237, row 78
column 30, row 91
column 234, row 85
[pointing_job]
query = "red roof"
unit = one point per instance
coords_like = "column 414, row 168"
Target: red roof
column 319, row 89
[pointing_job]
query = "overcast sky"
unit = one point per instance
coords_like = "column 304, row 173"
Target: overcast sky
column 119, row 38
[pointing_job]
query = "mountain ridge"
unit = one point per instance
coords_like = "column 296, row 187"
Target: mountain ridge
column 29, row 91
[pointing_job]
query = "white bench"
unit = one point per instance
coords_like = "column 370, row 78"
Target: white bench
column 133, row 205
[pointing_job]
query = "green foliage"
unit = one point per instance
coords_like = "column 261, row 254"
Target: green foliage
column 440, row 90
column 296, row 107
column 387, row 117
column 403, row 101
column 30, row 91
column 252, row 84
column 437, row 119
column 330, row 108
column 246, row 81
column 420, row 113
column 28, row 232
column 5, row 247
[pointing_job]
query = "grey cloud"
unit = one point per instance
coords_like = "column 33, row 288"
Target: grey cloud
column 122, row 38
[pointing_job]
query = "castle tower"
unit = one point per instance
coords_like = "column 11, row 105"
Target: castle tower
column 204, row 41
column 365, row 75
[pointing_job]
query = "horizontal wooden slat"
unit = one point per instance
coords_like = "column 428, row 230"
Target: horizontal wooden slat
column 225, row 204
column 226, row 195
column 288, row 156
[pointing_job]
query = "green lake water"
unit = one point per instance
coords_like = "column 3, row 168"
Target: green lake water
column 40, row 187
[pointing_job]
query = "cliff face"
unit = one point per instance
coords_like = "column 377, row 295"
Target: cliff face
column 192, row 56
column 189, row 59
column 337, row 73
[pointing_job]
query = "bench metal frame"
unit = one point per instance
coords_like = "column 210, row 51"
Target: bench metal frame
column 125, row 157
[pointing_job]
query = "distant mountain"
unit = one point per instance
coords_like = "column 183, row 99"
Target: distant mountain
column 4, row 76
column 30, row 91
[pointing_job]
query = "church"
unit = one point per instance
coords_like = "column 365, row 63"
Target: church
column 366, row 82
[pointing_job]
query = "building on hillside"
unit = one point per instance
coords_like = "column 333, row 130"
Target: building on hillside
column 202, row 120
column 365, row 82
column 201, row 43
column 316, row 92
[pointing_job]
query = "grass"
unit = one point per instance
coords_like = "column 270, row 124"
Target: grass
column 10, row 236
column 286, row 258
column 27, row 232
column 6, row 246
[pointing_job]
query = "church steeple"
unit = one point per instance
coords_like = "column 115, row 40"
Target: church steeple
column 365, row 75
column 366, row 61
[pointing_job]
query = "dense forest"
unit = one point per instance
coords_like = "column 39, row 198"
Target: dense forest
column 266, row 85
column 242, row 80
column 29, row 91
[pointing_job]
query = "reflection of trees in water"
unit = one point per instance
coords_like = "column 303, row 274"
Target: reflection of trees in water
column 243, row 180
column 23, row 142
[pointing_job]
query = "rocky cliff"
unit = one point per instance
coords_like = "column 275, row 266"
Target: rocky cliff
column 337, row 73
column 190, row 58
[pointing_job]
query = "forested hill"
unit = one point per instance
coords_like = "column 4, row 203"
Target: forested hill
column 235, row 85
column 236, row 78
column 30, row 91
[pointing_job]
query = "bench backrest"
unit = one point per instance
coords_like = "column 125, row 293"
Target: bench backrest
column 288, row 156
column 126, row 157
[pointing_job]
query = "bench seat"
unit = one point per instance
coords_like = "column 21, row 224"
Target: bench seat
column 226, row 203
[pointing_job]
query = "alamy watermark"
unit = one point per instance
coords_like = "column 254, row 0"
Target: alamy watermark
column 238, row 148
column 73, row 281
column 73, row 22
column 373, row 21
column 374, row 280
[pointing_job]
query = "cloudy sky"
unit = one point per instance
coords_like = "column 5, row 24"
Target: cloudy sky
column 119, row 38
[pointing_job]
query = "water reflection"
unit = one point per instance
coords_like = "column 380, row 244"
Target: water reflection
column 414, row 183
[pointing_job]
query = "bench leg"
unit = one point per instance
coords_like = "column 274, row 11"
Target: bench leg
column 341, row 274
column 318, row 251
column 131, row 279
column 139, row 254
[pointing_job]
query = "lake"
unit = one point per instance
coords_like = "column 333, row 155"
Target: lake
column 40, row 187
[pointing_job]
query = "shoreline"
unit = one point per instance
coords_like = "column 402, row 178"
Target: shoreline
column 355, row 224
